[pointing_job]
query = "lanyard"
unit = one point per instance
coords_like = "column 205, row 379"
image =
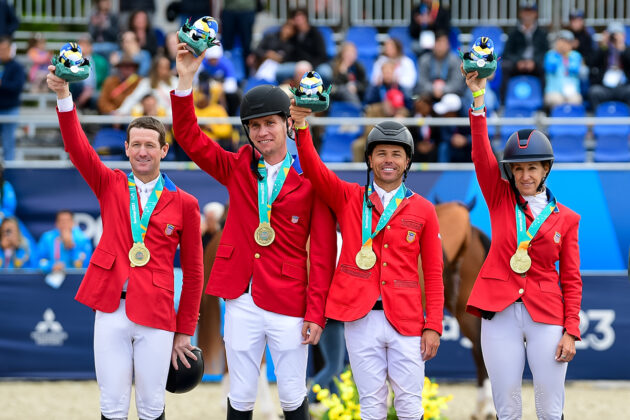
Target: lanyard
column 524, row 237
column 138, row 225
column 264, row 202
column 366, row 220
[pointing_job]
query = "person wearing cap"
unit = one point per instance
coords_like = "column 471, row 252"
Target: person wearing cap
column 376, row 291
column 129, row 281
column 610, row 69
column 583, row 40
column 562, row 72
column 117, row 87
column 275, row 289
column 529, row 289
column 526, row 46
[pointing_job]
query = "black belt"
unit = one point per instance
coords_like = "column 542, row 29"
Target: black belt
column 378, row 306
column 123, row 295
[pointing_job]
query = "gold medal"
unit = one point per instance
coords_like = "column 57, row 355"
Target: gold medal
column 139, row 255
column 264, row 234
column 520, row 261
column 366, row 258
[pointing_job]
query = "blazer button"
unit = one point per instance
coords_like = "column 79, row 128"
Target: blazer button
column 257, row 255
column 386, row 246
column 383, row 282
column 520, row 291
column 389, row 226
column 384, row 264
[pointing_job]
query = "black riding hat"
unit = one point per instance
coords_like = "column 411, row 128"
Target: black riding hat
column 389, row 132
column 264, row 100
column 185, row 379
column 527, row 145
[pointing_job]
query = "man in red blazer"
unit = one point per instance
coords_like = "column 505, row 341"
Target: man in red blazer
column 129, row 282
column 385, row 227
column 261, row 266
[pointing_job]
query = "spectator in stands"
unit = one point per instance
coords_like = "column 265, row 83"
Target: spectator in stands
column 159, row 85
column 308, row 45
column 273, row 49
column 140, row 25
column 392, row 106
column 610, row 69
column 237, row 19
column 12, row 79
column 103, row 28
column 170, row 48
column 526, row 46
column 427, row 20
column 130, row 47
column 86, row 91
column 8, row 201
column 40, row 59
column 127, row 8
column 562, row 72
column 583, row 40
column 8, row 20
column 439, row 72
column 15, row 252
column 218, row 67
column 425, row 137
column 453, row 141
column 405, row 67
column 377, row 91
column 212, row 212
column 349, row 79
column 65, row 246
column 207, row 99
column 118, row 86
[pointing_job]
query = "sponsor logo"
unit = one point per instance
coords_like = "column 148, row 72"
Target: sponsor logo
column 48, row 331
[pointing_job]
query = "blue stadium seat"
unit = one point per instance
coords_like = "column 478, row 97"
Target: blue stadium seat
column 367, row 63
column 568, row 111
column 453, row 38
column 401, row 33
column 611, row 109
column 495, row 33
column 344, row 109
column 252, row 82
column 569, row 148
column 612, row 149
column 364, row 37
column 235, row 55
column 524, row 92
column 507, row 130
column 329, row 39
column 336, row 147
column 109, row 143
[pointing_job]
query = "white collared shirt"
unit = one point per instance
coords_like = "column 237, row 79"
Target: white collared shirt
column 385, row 196
column 272, row 174
column 145, row 189
column 537, row 202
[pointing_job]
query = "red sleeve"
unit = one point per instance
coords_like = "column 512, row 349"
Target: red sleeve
column 432, row 266
column 322, row 255
column 327, row 184
column 82, row 154
column 205, row 152
column 191, row 257
column 486, row 166
column 571, row 280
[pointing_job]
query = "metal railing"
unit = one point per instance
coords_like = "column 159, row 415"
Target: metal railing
column 49, row 11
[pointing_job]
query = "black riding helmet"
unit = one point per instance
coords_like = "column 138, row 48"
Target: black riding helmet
column 184, row 379
column 527, row 145
column 262, row 101
column 388, row 132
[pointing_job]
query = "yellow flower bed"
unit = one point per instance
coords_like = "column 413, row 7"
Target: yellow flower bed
column 345, row 406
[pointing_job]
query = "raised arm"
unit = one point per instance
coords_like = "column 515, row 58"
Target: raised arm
column 486, row 166
column 329, row 187
column 205, row 152
column 81, row 152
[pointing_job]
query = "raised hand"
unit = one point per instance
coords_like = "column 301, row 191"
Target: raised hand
column 187, row 65
column 474, row 84
column 299, row 114
column 57, row 84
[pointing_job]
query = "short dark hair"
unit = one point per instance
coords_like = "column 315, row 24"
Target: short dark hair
column 149, row 123
column 5, row 38
column 297, row 11
column 64, row 211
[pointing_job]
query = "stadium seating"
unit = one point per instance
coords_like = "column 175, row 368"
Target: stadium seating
column 252, row 82
column 109, row 143
column 338, row 138
column 364, row 37
column 567, row 140
column 507, row 130
column 329, row 40
column 401, row 33
column 524, row 92
column 611, row 109
column 612, row 149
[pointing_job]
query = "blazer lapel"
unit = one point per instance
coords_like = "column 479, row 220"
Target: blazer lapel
column 551, row 221
column 378, row 205
column 291, row 183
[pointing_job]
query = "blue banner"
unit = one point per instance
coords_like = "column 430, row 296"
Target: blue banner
column 45, row 333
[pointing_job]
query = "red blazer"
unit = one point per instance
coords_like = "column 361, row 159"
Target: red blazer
column 280, row 282
column 412, row 230
column 175, row 221
column 497, row 286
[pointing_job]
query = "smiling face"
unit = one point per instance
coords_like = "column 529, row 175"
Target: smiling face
column 528, row 175
column 388, row 162
column 269, row 135
column 144, row 153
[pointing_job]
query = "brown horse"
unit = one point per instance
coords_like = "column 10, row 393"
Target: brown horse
column 465, row 249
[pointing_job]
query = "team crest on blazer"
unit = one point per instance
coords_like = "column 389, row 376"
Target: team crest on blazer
column 556, row 237
column 411, row 236
column 169, row 230
column 295, row 219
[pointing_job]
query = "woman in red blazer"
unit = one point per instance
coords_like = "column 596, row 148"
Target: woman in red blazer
column 529, row 289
